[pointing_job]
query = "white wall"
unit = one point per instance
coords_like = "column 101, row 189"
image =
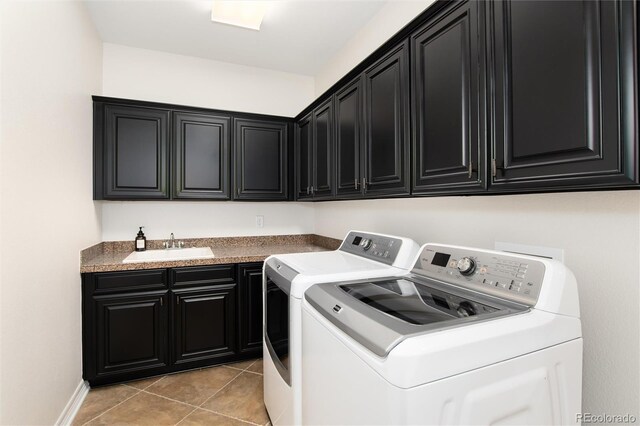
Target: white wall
column 389, row 20
column 51, row 64
column 157, row 76
column 203, row 219
column 599, row 233
column 164, row 77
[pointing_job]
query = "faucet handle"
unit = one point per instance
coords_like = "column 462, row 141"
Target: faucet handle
column 165, row 244
column 181, row 244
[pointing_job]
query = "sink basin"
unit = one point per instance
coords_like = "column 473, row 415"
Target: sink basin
column 169, row 254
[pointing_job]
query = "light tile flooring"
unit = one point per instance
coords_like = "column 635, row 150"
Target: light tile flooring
column 224, row 395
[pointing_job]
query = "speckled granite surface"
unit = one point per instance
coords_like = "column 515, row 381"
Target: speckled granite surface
column 108, row 256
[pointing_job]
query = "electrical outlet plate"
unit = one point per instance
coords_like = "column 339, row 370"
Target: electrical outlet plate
column 260, row 221
column 548, row 252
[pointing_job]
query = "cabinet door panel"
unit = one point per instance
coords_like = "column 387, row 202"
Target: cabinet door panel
column 557, row 99
column 323, row 150
column 201, row 156
column 261, row 160
column 348, row 105
column 446, row 65
column 250, row 307
column 386, row 123
column 204, row 323
column 136, row 154
column 304, row 149
column 131, row 332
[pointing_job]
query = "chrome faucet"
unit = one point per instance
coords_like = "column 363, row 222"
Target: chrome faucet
column 171, row 244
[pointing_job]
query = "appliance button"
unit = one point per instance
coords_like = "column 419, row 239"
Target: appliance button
column 524, row 266
column 516, row 289
column 466, row 266
column 486, row 281
column 521, row 276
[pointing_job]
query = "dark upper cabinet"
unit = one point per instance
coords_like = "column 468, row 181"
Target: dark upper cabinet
column 348, row 134
column 130, row 333
column 131, row 152
column 250, row 308
column 447, row 103
column 564, row 112
column 322, row 159
column 304, row 149
column 204, row 323
column 261, row 162
column 201, row 156
column 314, row 153
column 386, row 124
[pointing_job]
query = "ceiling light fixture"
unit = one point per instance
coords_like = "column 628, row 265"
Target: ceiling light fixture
column 241, row 13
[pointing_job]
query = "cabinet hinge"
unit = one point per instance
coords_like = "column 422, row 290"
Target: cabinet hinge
column 494, row 169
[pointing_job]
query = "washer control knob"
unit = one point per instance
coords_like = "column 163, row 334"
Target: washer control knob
column 366, row 244
column 466, row 266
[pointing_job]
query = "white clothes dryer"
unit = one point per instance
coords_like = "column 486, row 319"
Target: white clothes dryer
column 286, row 277
column 469, row 336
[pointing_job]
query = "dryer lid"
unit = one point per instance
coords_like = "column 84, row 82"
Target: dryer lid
column 379, row 314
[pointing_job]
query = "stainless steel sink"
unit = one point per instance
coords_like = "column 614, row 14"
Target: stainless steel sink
column 169, row 255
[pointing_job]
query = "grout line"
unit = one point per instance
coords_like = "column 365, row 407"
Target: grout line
column 252, row 372
column 231, row 417
column 119, row 403
column 218, row 391
column 170, row 399
column 190, row 413
column 147, row 387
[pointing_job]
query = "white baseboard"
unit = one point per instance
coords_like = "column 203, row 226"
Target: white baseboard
column 74, row 404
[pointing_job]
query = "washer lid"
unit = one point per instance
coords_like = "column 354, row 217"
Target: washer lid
column 379, row 314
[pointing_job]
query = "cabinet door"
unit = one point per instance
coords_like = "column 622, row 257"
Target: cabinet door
column 250, row 307
column 130, row 332
column 348, row 125
column 386, row 117
column 564, row 76
column 201, row 156
column 304, row 149
column 260, row 149
column 135, row 152
column 448, row 142
column 204, row 323
column 322, row 157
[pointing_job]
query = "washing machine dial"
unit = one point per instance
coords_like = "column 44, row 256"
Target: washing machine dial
column 466, row 266
column 366, row 244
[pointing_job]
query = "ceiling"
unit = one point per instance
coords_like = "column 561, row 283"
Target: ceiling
column 297, row 36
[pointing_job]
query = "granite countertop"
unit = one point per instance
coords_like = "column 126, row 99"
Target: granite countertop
column 108, row 256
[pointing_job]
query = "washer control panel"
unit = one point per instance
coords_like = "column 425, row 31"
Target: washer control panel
column 372, row 246
column 505, row 276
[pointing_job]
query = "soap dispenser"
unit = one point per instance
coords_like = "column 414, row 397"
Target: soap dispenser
column 141, row 241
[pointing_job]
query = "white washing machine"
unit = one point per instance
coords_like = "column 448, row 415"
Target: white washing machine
column 286, row 277
column 469, row 336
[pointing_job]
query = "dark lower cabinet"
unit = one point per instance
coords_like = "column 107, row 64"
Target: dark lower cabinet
column 201, row 156
column 131, row 333
column 386, row 124
column 137, row 324
column 261, row 162
column 131, row 152
column 565, row 107
column 250, row 332
column 447, row 102
column 204, row 323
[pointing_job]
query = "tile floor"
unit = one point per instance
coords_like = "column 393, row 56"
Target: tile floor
column 223, row 395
